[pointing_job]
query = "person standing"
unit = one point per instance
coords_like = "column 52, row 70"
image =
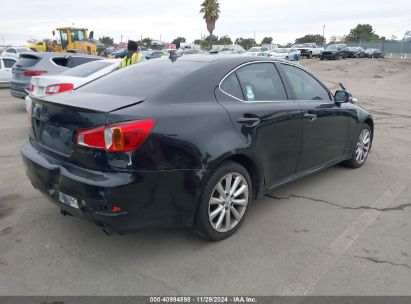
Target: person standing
column 133, row 55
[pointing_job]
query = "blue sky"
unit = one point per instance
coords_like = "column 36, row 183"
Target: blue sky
column 284, row 20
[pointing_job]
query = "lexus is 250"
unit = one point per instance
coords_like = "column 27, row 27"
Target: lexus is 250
column 189, row 142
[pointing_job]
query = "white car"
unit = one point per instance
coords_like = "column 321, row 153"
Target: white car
column 286, row 54
column 5, row 71
column 15, row 51
column 257, row 51
column 73, row 78
column 70, row 79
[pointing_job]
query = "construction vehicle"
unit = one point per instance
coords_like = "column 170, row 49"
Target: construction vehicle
column 68, row 39
column 40, row 46
column 71, row 39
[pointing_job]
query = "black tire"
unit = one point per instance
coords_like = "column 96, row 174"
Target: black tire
column 321, row 58
column 286, row 58
column 202, row 225
column 352, row 162
column 310, row 55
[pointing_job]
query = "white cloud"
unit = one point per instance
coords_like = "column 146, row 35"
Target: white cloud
column 284, row 20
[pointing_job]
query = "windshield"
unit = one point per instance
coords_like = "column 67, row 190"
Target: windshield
column 282, row 50
column 87, row 69
column 294, row 46
column 333, row 47
column 254, row 49
column 310, row 45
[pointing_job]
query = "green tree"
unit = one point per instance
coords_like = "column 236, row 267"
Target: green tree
column 178, row 40
column 204, row 44
column 246, row 43
column 107, row 41
column 212, row 40
column 225, row 40
column 197, row 41
column 211, row 12
column 318, row 39
column 146, row 42
column 362, row 32
column 267, row 40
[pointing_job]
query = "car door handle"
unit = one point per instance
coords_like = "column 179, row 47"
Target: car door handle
column 310, row 116
column 249, row 121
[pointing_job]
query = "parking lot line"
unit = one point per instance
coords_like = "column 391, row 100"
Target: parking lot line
column 310, row 276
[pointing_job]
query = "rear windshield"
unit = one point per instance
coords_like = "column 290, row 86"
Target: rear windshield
column 27, row 61
column 23, row 50
column 86, row 69
column 142, row 80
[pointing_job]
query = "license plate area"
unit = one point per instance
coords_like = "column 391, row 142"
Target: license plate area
column 55, row 138
column 68, row 200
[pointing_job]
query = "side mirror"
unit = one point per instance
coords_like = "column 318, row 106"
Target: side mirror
column 342, row 96
column 91, row 36
column 54, row 33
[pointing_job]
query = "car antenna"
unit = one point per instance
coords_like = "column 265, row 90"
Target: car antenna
column 342, row 86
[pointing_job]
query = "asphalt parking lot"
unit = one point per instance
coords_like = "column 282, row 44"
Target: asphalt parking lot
column 339, row 232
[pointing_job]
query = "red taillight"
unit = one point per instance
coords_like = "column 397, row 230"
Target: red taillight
column 122, row 137
column 34, row 73
column 115, row 209
column 59, row 88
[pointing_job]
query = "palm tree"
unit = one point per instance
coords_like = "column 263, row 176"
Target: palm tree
column 211, row 11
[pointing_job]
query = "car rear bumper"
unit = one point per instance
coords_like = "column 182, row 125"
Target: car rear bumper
column 149, row 198
column 18, row 89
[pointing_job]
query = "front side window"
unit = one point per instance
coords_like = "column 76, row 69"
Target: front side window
column 261, row 82
column 305, row 86
column 13, row 51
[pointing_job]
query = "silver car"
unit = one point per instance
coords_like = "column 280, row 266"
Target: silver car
column 36, row 64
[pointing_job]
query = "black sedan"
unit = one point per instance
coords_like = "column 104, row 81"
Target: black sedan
column 189, row 142
column 374, row 53
column 355, row 52
column 334, row 51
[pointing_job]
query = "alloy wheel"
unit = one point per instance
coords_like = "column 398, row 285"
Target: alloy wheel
column 363, row 146
column 228, row 202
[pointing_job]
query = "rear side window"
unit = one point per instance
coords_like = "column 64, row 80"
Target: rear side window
column 231, row 86
column 61, row 61
column 305, row 86
column 86, row 69
column 75, row 61
column 27, row 61
column 261, row 82
column 8, row 63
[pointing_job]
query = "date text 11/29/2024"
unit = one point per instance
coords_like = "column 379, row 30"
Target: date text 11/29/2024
column 203, row 299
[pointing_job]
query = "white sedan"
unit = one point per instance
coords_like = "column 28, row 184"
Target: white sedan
column 5, row 71
column 73, row 78
column 70, row 79
column 286, row 54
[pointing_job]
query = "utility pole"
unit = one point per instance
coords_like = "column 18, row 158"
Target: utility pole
column 121, row 38
column 254, row 37
column 323, row 32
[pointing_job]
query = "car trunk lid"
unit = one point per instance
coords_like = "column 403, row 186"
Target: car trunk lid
column 55, row 121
